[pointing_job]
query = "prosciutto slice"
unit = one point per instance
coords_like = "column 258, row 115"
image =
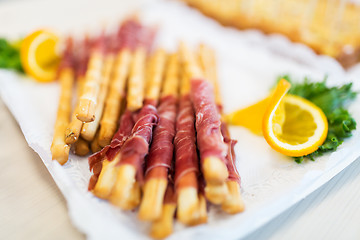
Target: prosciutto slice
column 136, row 147
column 110, row 151
column 231, row 158
column 128, row 34
column 209, row 138
column 161, row 150
column 186, row 158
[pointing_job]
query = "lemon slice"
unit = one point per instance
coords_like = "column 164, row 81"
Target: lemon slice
column 39, row 57
column 290, row 124
column 250, row 117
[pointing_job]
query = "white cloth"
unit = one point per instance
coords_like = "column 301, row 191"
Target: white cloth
column 249, row 63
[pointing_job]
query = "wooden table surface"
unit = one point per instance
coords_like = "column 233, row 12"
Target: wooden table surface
column 32, row 207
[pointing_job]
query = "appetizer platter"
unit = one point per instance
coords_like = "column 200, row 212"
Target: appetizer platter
column 158, row 109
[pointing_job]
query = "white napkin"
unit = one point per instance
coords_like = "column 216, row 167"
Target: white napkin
column 249, row 63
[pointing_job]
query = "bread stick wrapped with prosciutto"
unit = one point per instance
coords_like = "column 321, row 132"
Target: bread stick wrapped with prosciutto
column 186, row 157
column 89, row 96
column 210, row 142
column 159, row 160
column 233, row 202
column 59, row 149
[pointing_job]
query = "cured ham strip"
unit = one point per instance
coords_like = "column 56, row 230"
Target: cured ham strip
column 110, row 151
column 161, row 151
column 186, row 158
column 136, row 147
column 233, row 202
column 209, row 139
column 128, row 34
column 231, row 158
column 186, row 163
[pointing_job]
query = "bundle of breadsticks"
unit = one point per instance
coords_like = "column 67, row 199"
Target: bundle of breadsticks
column 153, row 120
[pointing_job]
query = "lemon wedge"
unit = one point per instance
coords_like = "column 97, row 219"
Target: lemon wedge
column 290, row 124
column 39, row 56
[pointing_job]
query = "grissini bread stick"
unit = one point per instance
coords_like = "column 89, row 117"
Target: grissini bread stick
column 109, row 123
column 163, row 226
column 215, row 192
column 89, row 129
column 59, row 149
column 186, row 157
column 154, row 73
column 94, row 145
column 210, row 143
column 233, row 202
column 159, row 160
column 72, row 132
column 202, row 209
column 89, row 96
column 81, row 147
column 212, row 153
column 136, row 85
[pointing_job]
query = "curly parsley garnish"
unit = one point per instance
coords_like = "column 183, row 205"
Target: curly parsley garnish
column 10, row 56
column 333, row 101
